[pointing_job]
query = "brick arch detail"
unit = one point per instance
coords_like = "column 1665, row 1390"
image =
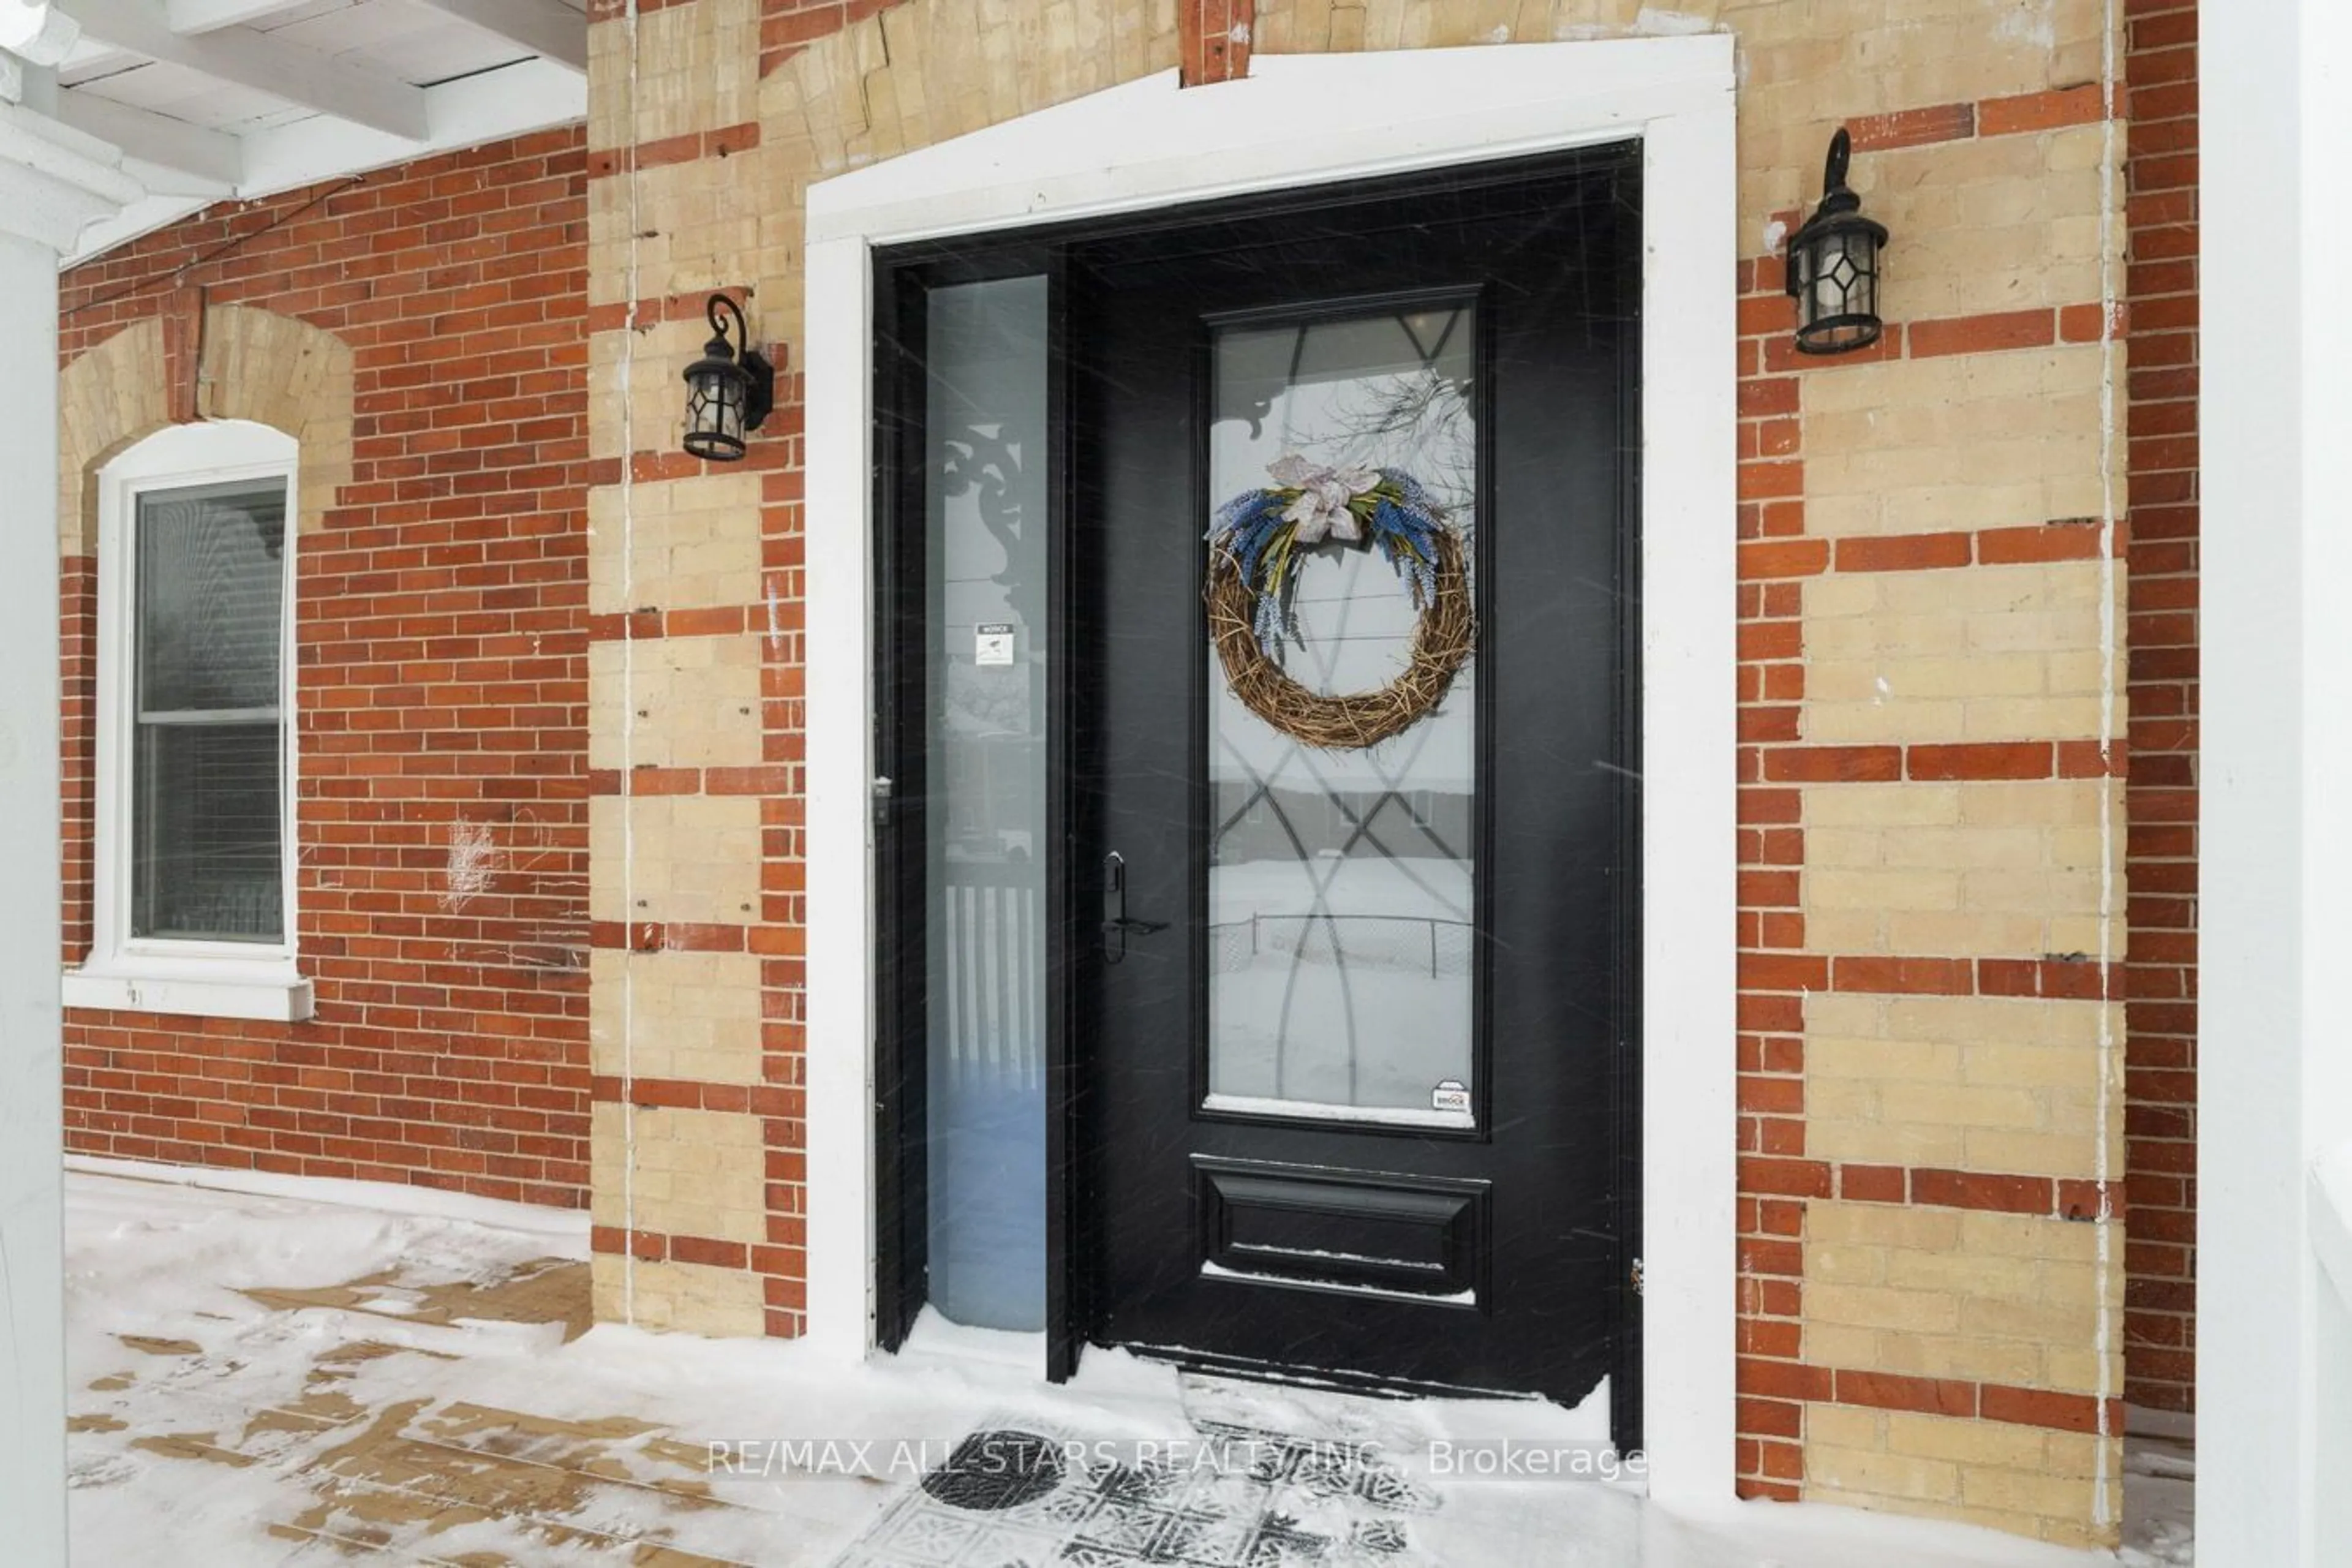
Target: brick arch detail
column 254, row 364
column 282, row 372
column 107, row 399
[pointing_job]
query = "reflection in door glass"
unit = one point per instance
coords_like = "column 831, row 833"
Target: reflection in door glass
column 1342, row 882
column 985, row 578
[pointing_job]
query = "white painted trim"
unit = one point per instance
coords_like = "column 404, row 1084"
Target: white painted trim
column 216, row 979
column 1690, row 853
column 568, row 1228
column 56, row 181
column 31, row 1074
column 274, row 993
column 1300, row 120
column 2274, row 1092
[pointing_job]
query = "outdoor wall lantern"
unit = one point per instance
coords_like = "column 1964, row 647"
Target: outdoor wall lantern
column 727, row 392
column 1833, row 265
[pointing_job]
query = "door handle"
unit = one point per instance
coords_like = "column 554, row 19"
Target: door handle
column 1116, row 926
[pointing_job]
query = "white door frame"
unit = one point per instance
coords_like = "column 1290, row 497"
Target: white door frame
column 1302, row 120
column 2274, row 1080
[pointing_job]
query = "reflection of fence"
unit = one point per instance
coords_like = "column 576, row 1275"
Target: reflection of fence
column 988, row 1005
column 1409, row 942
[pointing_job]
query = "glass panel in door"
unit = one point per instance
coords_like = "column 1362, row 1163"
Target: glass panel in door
column 1342, row 883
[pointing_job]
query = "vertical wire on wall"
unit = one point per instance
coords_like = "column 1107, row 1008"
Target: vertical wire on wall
column 2111, row 262
column 627, row 378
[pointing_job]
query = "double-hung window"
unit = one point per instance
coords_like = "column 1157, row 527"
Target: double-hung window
column 194, row 906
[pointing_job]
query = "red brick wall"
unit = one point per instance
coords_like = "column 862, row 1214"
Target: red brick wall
column 1773, row 1382
column 441, row 691
column 2160, row 1126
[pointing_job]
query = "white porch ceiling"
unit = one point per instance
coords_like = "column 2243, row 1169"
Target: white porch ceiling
column 213, row 99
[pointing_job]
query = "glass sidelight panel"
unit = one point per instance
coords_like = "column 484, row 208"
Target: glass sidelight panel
column 1342, row 883
column 985, row 419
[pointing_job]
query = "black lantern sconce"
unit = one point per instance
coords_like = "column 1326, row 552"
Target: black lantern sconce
column 728, row 393
column 1833, row 265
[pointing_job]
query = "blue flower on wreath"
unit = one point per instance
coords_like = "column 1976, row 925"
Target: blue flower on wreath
column 1268, row 532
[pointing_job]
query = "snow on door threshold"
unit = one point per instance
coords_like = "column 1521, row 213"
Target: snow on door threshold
column 1212, row 1269
column 257, row 1378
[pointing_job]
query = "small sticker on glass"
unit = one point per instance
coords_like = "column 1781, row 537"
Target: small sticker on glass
column 1451, row 1095
column 991, row 643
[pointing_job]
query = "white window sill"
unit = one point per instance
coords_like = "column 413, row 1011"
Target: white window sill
column 273, row 992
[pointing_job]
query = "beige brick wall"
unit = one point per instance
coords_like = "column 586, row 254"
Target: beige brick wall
column 1998, row 653
column 107, row 399
column 1948, row 1293
column 2003, row 223
column 1994, row 869
column 1957, row 442
column 681, row 1172
column 690, row 702
column 700, row 1013
column 683, row 545
column 695, row 69
column 687, row 859
column 1993, row 1084
column 692, row 1298
column 2017, row 1479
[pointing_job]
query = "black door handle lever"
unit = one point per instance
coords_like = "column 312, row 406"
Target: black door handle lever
column 1116, row 925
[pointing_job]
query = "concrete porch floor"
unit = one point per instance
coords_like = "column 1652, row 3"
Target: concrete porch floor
column 319, row 1371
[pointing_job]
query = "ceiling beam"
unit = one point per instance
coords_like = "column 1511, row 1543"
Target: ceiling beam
column 548, row 28
column 55, row 181
column 489, row 106
column 191, row 17
column 261, row 62
column 155, row 138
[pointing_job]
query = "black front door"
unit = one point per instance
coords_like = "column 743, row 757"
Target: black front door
column 1354, row 1062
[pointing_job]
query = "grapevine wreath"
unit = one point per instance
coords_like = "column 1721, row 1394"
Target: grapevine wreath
column 1260, row 540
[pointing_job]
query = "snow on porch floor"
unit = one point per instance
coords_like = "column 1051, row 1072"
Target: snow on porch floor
column 315, row 1372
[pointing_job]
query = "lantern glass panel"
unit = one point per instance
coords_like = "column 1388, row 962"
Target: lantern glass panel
column 714, row 414
column 1840, row 289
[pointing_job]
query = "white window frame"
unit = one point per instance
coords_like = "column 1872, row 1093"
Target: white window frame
column 178, row 975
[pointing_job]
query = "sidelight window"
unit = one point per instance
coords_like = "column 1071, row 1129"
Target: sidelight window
column 985, row 480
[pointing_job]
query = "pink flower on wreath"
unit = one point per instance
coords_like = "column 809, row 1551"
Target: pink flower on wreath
column 1324, row 493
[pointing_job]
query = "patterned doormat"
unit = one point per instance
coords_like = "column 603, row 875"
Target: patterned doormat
column 1017, row 1493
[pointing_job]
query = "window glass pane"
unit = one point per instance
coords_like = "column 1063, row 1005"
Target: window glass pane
column 210, row 576
column 208, row 623
column 1342, row 882
column 206, row 823
column 985, row 476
